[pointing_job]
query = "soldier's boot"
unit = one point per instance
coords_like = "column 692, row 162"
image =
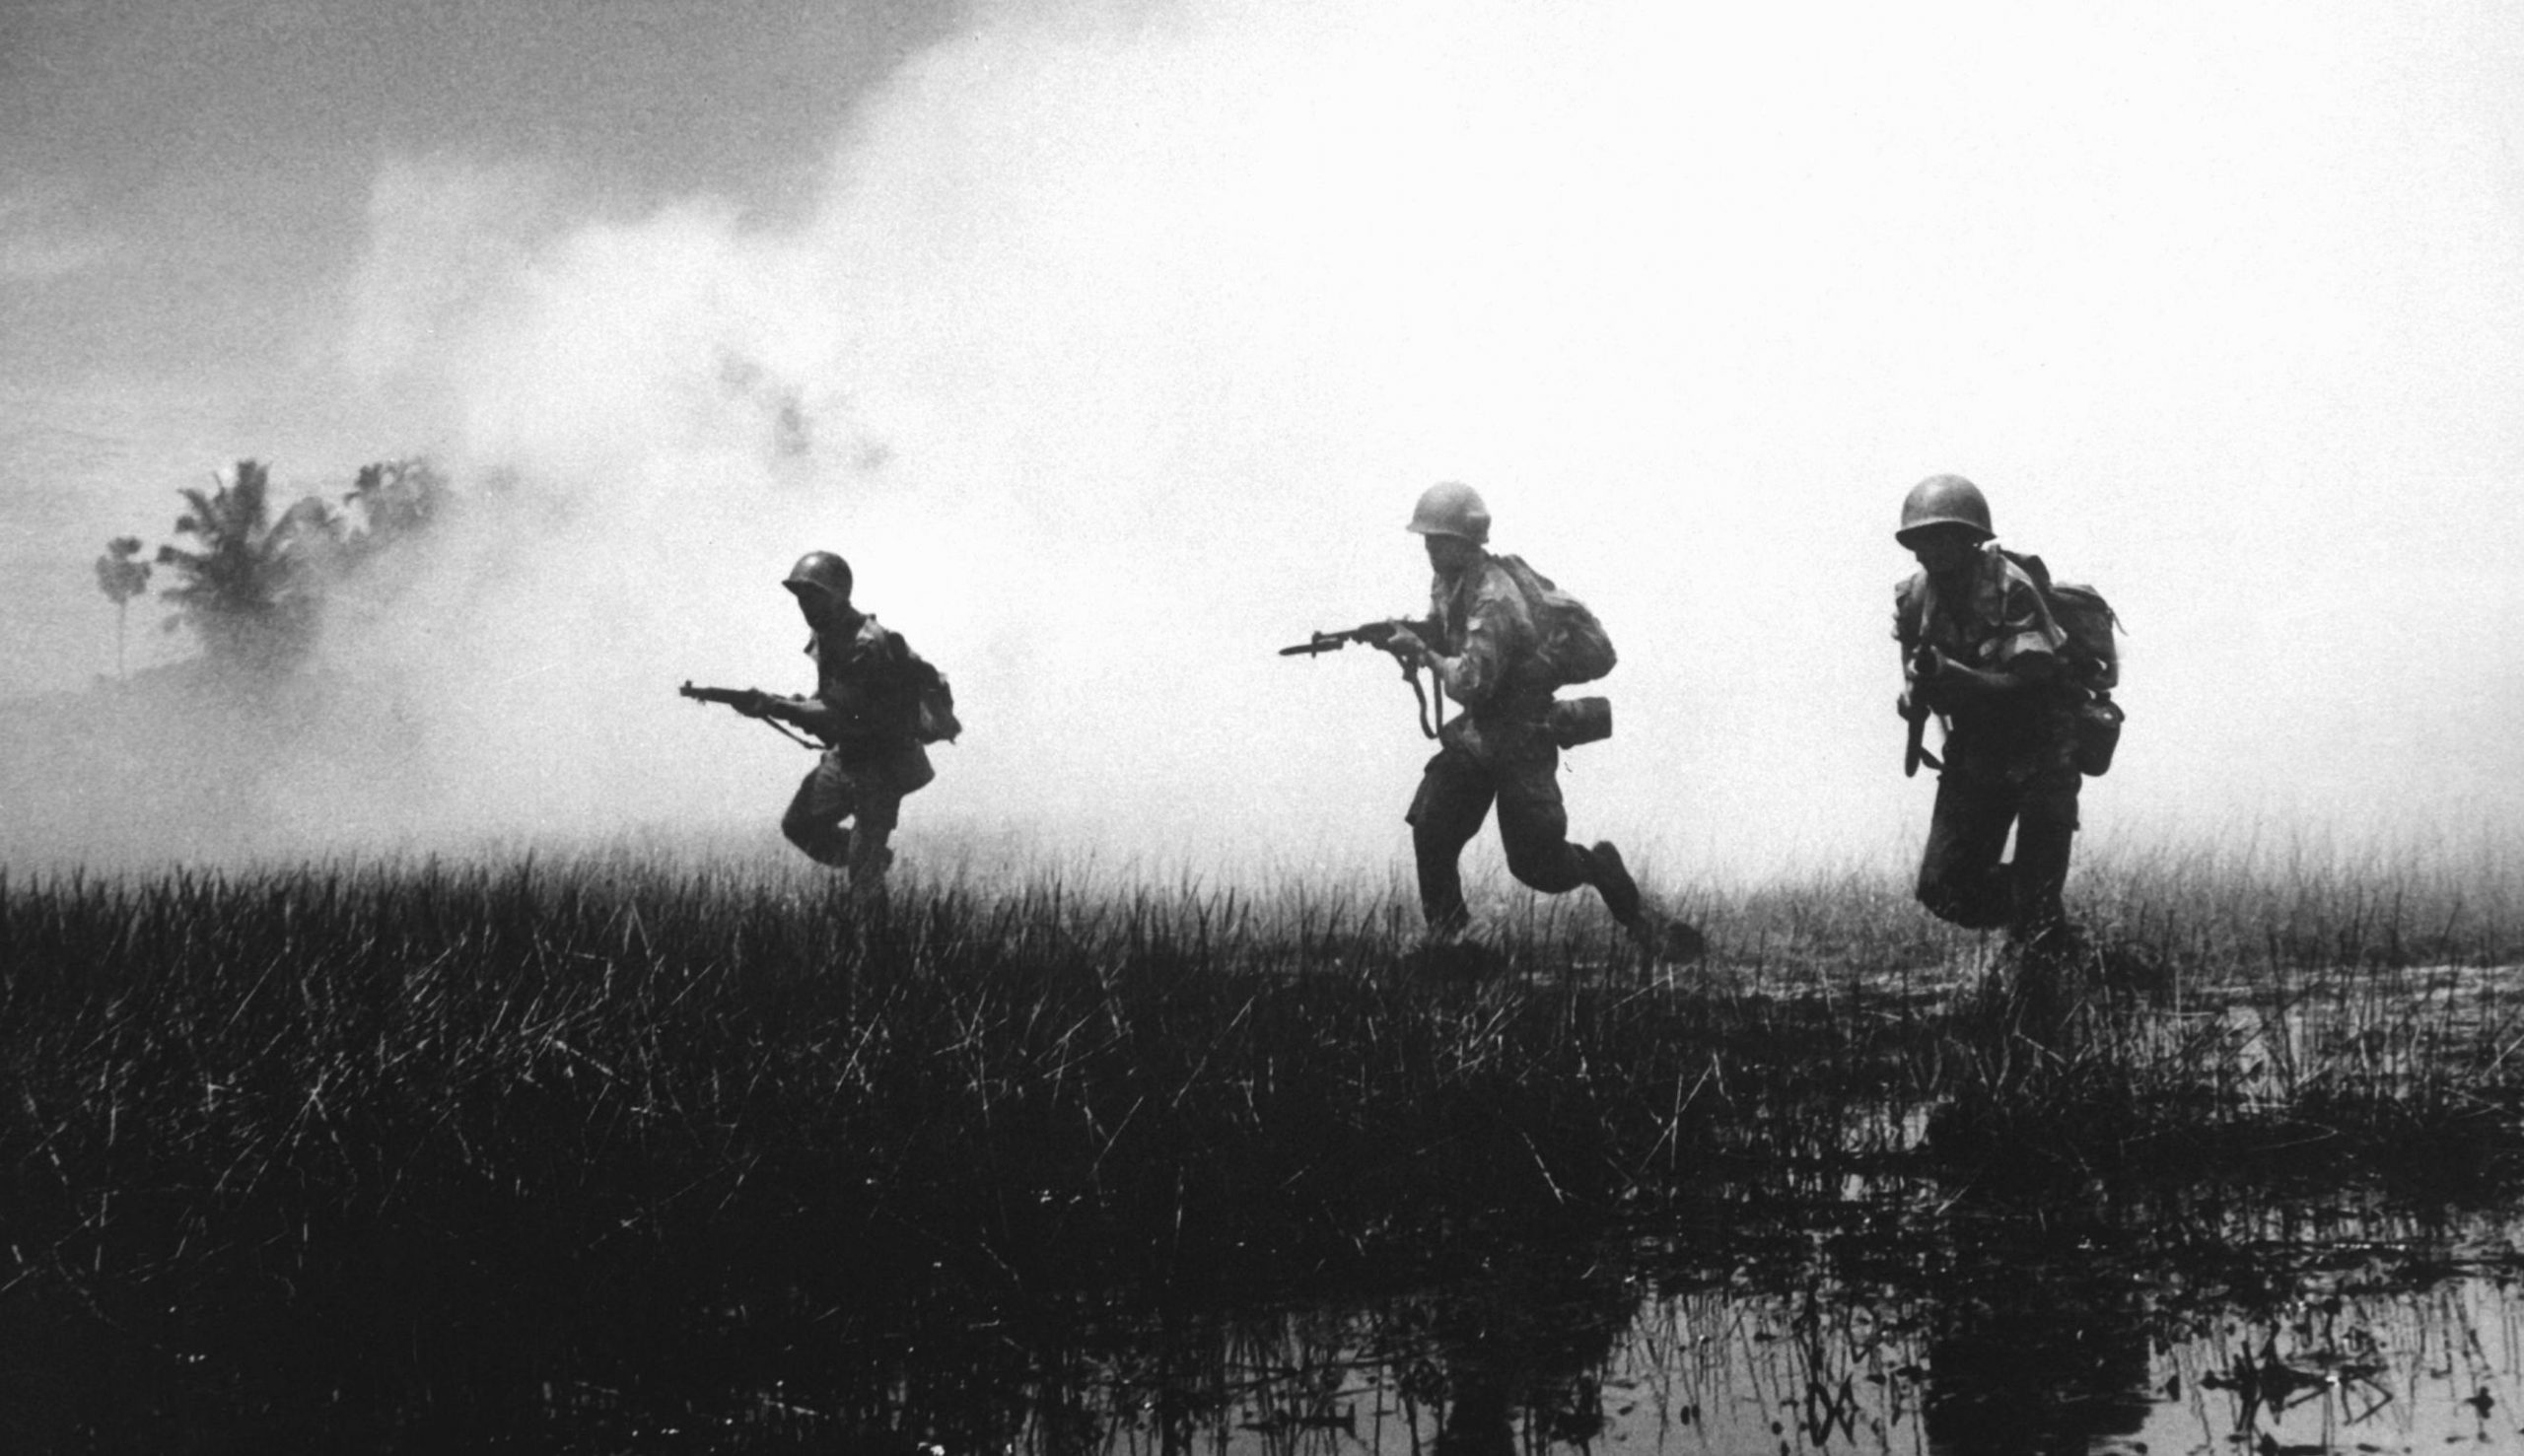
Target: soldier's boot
column 1611, row 879
column 1454, row 948
column 1656, row 935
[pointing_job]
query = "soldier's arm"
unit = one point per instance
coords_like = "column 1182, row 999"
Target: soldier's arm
column 890, row 661
column 812, row 713
column 1948, row 683
column 1410, row 638
column 2022, row 658
column 1471, row 677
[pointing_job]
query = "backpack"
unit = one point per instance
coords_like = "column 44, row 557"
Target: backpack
column 938, row 721
column 2093, row 658
column 1572, row 645
column 2087, row 620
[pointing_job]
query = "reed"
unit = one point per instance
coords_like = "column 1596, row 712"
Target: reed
column 581, row 1105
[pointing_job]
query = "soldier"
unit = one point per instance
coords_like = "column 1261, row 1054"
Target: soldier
column 867, row 710
column 1981, row 648
column 1481, row 645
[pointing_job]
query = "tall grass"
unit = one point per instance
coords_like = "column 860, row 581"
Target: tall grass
column 622, row 1109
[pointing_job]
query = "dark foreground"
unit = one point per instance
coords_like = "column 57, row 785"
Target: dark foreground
column 629, row 1155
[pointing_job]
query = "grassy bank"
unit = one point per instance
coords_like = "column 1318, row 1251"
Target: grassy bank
column 439, row 1122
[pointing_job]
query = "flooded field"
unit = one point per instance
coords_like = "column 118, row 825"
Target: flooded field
column 634, row 1155
column 2295, row 1331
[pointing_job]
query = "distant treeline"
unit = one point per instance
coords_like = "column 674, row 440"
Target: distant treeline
column 252, row 585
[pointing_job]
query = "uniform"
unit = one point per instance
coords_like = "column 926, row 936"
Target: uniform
column 873, row 681
column 1495, row 750
column 2009, row 763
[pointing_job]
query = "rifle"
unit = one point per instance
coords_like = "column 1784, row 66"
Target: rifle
column 744, row 700
column 1380, row 635
column 1915, row 712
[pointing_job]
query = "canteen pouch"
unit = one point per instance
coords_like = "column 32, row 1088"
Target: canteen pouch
column 2098, row 735
column 1576, row 721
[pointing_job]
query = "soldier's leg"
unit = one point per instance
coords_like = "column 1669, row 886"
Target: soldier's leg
column 2046, row 829
column 1533, row 826
column 1960, row 877
column 878, row 784
column 1453, row 798
column 870, row 855
column 825, row 798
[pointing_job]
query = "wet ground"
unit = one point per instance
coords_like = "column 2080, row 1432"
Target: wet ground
column 1889, row 1300
column 2203, row 1324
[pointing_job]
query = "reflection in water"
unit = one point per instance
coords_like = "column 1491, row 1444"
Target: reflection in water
column 2015, row 1340
column 1870, row 1326
column 2042, row 1352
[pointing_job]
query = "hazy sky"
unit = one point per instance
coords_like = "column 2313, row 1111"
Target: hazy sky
column 1113, row 341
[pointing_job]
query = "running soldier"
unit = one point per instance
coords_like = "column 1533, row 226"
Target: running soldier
column 1982, row 651
column 1481, row 644
column 867, row 709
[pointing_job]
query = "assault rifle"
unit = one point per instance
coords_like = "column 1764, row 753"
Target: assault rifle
column 1916, row 711
column 1380, row 635
column 747, row 701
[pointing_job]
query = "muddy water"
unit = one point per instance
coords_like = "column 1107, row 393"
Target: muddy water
column 1886, row 1318
column 2402, row 1370
column 2290, row 1329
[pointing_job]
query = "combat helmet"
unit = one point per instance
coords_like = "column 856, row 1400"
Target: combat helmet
column 825, row 572
column 1452, row 508
column 1944, row 500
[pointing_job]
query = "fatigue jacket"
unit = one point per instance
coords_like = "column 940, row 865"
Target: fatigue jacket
column 1997, row 624
column 1483, row 620
column 873, row 680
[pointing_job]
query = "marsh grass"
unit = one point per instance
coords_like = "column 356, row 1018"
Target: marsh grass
column 451, row 1123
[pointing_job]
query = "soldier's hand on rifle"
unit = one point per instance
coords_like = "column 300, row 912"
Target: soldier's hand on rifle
column 1926, row 665
column 754, row 704
column 1406, row 645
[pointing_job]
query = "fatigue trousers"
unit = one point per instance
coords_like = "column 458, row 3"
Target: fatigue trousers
column 865, row 789
column 1456, row 791
column 1961, row 876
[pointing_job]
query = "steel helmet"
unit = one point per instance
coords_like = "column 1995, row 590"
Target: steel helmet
column 825, row 572
column 1452, row 508
column 1944, row 500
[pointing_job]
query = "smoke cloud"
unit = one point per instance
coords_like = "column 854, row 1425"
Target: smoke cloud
column 1117, row 342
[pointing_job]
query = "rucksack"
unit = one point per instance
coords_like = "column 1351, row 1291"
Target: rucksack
column 2093, row 658
column 1571, row 645
column 2087, row 620
column 938, row 721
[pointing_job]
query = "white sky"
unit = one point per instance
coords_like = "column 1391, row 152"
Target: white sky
column 1126, row 335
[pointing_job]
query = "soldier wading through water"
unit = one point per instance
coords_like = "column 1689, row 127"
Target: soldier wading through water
column 1482, row 644
column 1982, row 650
column 867, row 709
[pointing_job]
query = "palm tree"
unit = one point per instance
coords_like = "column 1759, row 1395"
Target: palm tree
column 121, row 578
column 251, row 590
column 394, row 499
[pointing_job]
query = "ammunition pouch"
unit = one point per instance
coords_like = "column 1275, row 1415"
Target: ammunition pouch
column 2098, row 735
column 1575, row 720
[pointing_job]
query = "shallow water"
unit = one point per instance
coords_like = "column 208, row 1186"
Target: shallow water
column 2409, row 1370
column 2198, row 1328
